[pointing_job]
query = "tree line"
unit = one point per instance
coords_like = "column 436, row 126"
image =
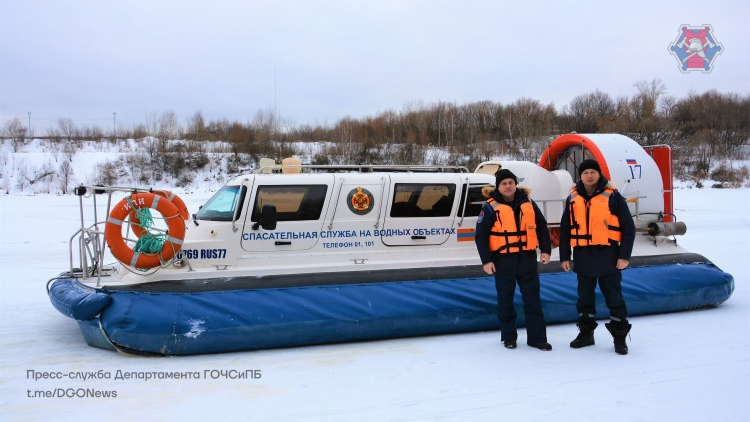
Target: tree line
column 703, row 130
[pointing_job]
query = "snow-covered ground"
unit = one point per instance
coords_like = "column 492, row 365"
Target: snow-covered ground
column 87, row 158
column 685, row 366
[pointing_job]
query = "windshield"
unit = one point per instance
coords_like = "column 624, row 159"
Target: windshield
column 221, row 206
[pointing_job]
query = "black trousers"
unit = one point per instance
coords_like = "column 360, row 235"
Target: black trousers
column 611, row 287
column 528, row 283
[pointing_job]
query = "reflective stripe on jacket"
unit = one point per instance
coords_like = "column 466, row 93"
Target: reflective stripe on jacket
column 591, row 222
column 505, row 236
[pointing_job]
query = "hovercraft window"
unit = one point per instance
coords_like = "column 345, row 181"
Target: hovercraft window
column 475, row 202
column 423, row 200
column 293, row 202
column 222, row 205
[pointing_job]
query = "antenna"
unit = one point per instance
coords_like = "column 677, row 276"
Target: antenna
column 274, row 93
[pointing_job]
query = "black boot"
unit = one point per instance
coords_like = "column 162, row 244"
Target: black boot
column 619, row 334
column 585, row 336
column 542, row 346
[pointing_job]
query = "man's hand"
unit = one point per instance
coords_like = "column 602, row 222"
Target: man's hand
column 545, row 259
column 622, row 264
column 489, row 267
column 565, row 265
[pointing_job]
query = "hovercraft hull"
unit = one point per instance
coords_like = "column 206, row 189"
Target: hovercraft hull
column 212, row 321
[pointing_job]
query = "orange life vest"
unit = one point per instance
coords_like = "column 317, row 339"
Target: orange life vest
column 591, row 222
column 505, row 237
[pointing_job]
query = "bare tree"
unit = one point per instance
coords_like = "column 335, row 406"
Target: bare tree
column 390, row 121
column 16, row 131
column 527, row 123
column 242, row 140
column 196, row 128
column 167, row 128
column 22, row 174
column 344, row 136
column 54, row 148
column 138, row 132
column 650, row 93
column 69, row 150
column 67, row 128
column 589, row 113
column 486, row 149
column 64, row 176
column 29, row 175
column 509, row 122
column 647, row 126
column 150, row 124
column 108, row 173
column 266, row 121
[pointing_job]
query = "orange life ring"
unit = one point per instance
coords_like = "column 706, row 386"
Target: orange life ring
column 173, row 198
column 126, row 255
column 177, row 201
column 554, row 236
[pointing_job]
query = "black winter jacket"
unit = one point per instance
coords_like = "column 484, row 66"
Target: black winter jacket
column 598, row 260
column 516, row 261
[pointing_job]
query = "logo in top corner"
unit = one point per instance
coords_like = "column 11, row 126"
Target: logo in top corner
column 360, row 201
column 695, row 48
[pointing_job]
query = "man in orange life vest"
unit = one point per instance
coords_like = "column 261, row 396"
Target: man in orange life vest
column 509, row 230
column 598, row 225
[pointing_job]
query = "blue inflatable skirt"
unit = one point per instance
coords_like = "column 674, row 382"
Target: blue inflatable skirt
column 230, row 320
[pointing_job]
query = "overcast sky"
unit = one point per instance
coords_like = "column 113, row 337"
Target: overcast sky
column 87, row 59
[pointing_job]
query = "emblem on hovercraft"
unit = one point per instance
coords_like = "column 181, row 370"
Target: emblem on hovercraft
column 360, row 201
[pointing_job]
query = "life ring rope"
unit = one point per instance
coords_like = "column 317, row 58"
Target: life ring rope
column 138, row 227
column 154, row 247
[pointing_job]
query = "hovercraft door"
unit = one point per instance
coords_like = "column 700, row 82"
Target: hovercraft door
column 301, row 203
column 357, row 212
column 420, row 213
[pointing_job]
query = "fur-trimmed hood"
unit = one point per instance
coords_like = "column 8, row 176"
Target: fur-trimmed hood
column 488, row 190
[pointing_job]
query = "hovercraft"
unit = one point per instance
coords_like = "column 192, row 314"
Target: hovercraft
column 295, row 255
